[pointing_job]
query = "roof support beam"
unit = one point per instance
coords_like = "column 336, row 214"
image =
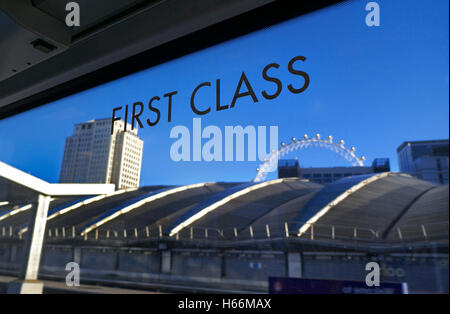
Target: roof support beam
column 153, row 197
column 342, row 197
column 52, row 189
column 222, row 202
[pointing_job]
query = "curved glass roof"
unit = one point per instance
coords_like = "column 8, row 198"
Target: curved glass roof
column 18, row 216
column 327, row 194
column 165, row 204
column 80, row 216
column 427, row 218
column 243, row 205
column 212, row 200
column 380, row 207
column 110, row 214
column 367, row 209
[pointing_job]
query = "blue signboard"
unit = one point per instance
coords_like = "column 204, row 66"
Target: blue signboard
column 285, row 285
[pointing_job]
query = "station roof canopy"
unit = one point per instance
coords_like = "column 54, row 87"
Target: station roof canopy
column 377, row 208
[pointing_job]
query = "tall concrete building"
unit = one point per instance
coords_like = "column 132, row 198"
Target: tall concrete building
column 94, row 155
column 426, row 160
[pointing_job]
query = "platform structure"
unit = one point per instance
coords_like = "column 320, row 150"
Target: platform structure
column 18, row 187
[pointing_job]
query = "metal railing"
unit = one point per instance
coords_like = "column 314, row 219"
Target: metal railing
column 286, row 230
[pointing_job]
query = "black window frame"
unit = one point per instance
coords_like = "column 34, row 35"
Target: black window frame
column 235, row 27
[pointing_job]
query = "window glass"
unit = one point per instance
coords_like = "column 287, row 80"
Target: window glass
column 193, row 146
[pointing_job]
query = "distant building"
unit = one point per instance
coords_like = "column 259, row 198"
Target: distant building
column 288, row 168
column 426, row 160
column 325, row 175
column 93, row 155
column 381, row 165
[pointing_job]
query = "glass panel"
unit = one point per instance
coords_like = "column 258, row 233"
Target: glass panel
column 208, row 154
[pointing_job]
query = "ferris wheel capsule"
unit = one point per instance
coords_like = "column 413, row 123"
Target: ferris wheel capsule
column 342, row 142
column 305, row 136
column 330, row 138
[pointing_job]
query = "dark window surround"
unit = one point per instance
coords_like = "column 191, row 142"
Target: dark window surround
column 262, row 17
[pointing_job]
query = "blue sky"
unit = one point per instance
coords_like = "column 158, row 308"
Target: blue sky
column 373, row 87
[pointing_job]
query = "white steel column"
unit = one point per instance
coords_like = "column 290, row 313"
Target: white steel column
column 35, row 239
column 28, row 276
